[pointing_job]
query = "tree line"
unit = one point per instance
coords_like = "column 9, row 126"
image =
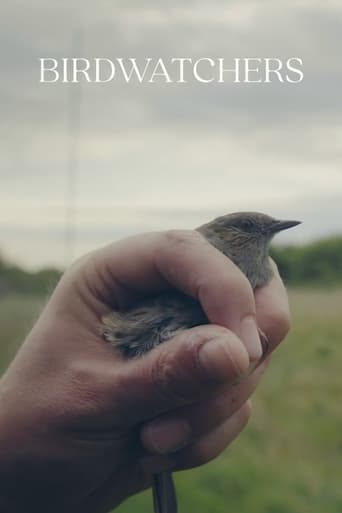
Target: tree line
column 317, row 263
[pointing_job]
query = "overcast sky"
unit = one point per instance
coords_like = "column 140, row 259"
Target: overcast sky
column 159, row 156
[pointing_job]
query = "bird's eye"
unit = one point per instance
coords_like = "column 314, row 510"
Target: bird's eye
column 246, row 225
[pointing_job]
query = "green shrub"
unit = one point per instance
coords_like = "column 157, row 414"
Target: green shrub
column 317, row 263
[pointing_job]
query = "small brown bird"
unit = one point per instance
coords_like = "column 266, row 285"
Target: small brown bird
column 244, row 237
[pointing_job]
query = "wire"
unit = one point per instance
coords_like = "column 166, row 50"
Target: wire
column 73, row 155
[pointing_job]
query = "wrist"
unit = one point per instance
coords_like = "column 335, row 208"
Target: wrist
column 13, row 497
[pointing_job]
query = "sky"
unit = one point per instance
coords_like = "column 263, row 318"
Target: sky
column 153, row 157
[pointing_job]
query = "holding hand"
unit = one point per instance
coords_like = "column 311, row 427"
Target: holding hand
column 81, row 428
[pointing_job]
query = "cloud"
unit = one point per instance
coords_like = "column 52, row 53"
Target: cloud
column 173, row 148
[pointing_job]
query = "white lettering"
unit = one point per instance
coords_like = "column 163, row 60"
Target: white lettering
column 162, row 73
column 98, row 62
column 249, row 70
column 181, row 62
column 298, row 71
column 44, row 69
column 76, row 69
column 268, row 69
column 235, row 70
column 196, row 74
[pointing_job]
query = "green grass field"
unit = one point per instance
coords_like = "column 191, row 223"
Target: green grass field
column 288, row 460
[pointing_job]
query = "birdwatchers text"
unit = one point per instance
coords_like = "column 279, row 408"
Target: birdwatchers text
column 179, row 70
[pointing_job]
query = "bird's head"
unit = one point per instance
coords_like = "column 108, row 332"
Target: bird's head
column 245, row 238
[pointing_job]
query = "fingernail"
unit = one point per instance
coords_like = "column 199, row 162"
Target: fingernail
column 250, row 336
column 166, row 437
column 221, row 361
column 264, row 343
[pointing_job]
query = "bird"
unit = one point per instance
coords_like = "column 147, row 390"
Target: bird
column 244, row 238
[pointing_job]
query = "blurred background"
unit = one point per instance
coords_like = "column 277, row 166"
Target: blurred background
column 81, row 166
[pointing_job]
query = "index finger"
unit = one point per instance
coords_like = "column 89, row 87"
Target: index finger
column 182, row 259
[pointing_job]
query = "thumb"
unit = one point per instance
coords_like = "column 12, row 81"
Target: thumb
column 191, row 366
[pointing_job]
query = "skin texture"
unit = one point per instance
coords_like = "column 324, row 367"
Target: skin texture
column 243, row 237
column 81, row 428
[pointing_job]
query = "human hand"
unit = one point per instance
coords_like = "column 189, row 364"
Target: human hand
column 81, row 429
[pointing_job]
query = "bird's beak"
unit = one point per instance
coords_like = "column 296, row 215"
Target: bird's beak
column 279, row 226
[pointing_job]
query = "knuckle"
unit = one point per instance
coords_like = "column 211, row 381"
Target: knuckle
column 221, row 288
column 167, row 378
column 174, row 252
column 194, row 338
column 178, row 375
column 80, row 263
column 238, row 283
column 235, row 284
column 279, row 325
column 182, row 237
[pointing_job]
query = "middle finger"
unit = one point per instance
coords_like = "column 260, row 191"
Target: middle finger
column 170, row 432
